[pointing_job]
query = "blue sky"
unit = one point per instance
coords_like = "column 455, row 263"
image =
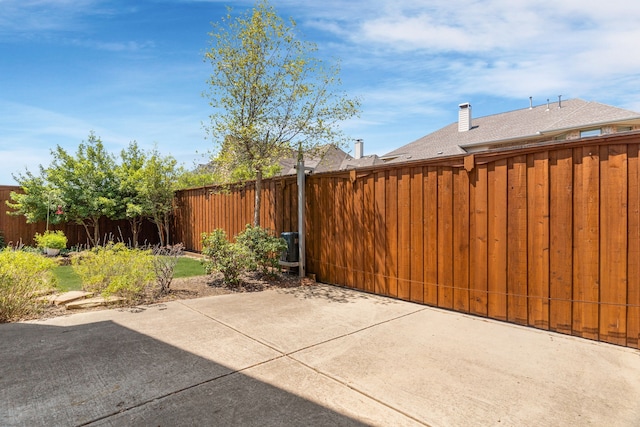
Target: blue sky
column 134, row 70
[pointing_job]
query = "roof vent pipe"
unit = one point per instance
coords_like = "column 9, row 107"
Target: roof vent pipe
column 531, row 103
column 359, row 149
column 547, row 104
column 559, row 101
column 464, row 117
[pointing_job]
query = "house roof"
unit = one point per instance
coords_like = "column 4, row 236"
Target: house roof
column 540, row 123
column 327, row 158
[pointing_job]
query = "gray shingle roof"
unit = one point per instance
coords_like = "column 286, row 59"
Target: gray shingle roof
column 526, row 125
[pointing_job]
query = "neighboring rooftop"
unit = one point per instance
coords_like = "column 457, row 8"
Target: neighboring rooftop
column 564, row 119
column 329, row 158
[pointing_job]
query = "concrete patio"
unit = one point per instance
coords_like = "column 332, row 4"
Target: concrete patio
column 314, row 355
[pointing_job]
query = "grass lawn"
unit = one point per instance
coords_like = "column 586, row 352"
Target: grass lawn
column 188, row 267
column 68, row 280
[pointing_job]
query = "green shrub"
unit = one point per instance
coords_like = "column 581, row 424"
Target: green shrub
column 230, row 259
column 24, row 277
column 115, row 269
column 2, row 242
column 265, row 248
column 51, row 240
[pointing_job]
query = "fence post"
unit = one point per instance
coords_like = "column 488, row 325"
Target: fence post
column 302, row 262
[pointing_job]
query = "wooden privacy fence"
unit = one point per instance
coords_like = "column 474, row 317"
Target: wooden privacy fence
column 202, row 210
column 547, row 236
column 16, row 230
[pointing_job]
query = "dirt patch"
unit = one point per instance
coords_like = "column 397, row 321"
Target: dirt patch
column 192, row 287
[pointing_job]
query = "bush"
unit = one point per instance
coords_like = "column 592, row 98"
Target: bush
column 2, row 242
column 265, row 248
column 115, row 269
column 51, row 240
column 165, row 260
column 24, row 277
column 230, row 259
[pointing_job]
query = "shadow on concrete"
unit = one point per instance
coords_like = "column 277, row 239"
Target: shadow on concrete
column 105, row 374
column 336, row 293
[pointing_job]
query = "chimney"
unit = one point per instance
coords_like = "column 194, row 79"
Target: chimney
column 464, row 117
column 359, row 149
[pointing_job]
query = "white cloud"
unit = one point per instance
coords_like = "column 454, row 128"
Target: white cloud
column 121, row 46
column 495, row 47
column 27, row 17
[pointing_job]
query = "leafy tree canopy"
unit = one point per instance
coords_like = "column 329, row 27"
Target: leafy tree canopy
column 269, row 93
column 92, row 183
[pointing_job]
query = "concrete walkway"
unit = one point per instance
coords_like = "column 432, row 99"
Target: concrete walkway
column 315, row 355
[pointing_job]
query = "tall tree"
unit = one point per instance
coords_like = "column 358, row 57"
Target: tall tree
column 87, row 184
column 130, row 173
column 156, row 187
column 80, row 188
column 269, row 93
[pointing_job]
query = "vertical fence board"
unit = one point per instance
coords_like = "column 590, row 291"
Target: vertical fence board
column 347, row 230
column 430, row 191
column 633, row 255
column 538, row 239
column 237, row 217
column 340, row 237
column 461, row 240
column 294, row 203
column 380, row 234
column 391, row 222
column 280, row 200
column 358, row 234
column 613, row 244
column 586, row 210
column 478, row 267
column 417, row 226
column 310, row 225
column 404, row 234
column 221, row 211
column 445, row 237
column 325, row 239
column 517, row 241
column 227, row 213
column 561, row 240
column 332, row 223
column 250, row 203
column 497, row 240
column 369, row 231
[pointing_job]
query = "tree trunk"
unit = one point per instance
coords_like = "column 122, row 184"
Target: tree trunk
column 96, row 231
column 166, row 229
column 86, row 229
column 158, row 222
column 258, row 200
column 135, row 224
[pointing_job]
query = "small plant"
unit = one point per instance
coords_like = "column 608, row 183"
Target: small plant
column 164, row 265
column 51, row 240
column 24, row 277
column 264, row 246
column 115, row 269
column 2, row 242
column 230, row 259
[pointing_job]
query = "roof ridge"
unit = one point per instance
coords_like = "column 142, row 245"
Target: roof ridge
column 571, row 114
